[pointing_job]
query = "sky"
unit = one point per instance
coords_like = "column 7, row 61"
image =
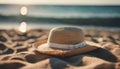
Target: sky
column 65, row 2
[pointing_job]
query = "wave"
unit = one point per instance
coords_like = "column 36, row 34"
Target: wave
column 113, row 22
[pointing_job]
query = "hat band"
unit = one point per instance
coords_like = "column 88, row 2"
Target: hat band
column 65, row 46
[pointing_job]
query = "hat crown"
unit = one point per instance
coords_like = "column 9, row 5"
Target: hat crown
column 66, row 35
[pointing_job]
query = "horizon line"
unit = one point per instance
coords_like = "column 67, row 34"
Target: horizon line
column 60, row 4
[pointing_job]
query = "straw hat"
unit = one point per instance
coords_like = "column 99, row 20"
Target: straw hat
column 65, row 41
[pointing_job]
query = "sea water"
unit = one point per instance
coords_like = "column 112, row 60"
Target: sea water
column 54, row 15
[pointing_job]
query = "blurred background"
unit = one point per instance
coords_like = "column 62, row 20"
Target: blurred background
column 51, row 13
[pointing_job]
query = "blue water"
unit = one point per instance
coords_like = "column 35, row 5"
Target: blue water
column 63, row 11
column 79, row 15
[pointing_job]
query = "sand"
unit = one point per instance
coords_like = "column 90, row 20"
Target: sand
column 16, row 51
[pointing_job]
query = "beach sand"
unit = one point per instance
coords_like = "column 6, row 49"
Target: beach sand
column 16, row 51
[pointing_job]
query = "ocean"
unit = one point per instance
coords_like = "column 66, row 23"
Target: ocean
column 79, row 15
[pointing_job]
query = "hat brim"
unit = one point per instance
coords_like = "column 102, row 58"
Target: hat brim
column 42, row 47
